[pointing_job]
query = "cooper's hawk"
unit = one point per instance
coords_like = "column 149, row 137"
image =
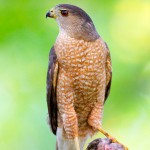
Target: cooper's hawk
column 78, row 78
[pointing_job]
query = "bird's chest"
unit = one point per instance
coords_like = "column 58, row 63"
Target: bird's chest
column 74, row 55
column 81, row 66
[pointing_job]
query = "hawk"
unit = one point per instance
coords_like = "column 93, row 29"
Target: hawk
column 78, row 78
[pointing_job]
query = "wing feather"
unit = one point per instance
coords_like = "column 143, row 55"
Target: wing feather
column 108, row 74
column 52, row 75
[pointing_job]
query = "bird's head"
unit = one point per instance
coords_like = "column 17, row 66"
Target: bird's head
column 74, row 21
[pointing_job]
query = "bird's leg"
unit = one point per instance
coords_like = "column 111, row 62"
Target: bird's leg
column 70, row 123
column 95, row 121
column 77, row 143
column 71, row 128
column 114, row 140
column 65, row 99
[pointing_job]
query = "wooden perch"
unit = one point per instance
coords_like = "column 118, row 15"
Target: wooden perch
column 104, row 144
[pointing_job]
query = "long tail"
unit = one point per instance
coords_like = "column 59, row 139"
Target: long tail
column 65, row 144
column 56, row 146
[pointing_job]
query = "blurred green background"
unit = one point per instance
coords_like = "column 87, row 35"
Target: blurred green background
column 25, row 40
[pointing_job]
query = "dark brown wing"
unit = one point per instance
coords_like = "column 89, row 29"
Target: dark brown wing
column 51, row 90
column 108, row 74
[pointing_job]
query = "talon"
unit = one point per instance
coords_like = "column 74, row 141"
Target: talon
column 125, row 147
column 114, row 140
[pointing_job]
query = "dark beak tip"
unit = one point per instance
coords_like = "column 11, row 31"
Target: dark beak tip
column 48, row 14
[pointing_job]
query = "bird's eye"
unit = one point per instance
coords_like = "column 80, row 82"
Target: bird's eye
column 64, row 12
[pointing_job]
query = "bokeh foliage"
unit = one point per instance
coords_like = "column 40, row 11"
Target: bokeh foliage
column 25, row 39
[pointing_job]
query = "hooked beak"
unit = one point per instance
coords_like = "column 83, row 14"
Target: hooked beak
column 48, row 14
column 51, row 14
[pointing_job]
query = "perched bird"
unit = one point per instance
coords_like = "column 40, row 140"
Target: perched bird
column 78, row 78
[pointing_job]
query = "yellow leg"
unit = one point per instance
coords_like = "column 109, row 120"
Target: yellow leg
column 77, row 143
column 111, row 137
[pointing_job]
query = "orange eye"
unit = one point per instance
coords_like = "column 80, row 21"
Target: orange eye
column 64, row 12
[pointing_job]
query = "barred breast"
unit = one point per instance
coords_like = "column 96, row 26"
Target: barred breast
column 82, row 66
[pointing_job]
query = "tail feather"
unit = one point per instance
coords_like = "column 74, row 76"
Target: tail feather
column 68, row 144
column 56, row 146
